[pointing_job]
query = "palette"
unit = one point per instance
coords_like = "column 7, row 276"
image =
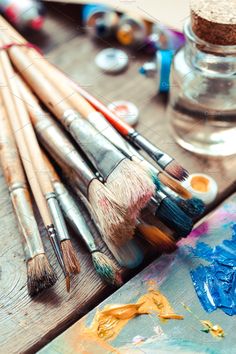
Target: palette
column 169, row 275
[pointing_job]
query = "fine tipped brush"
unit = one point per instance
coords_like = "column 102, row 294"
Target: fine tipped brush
column 156, row 237
column 167, row 163
column 135, row 194
column 15, row 111
column 40, row 274
column 83, row 102
column 116, row 227
column 103, row 265
column 171, row 215
column 109, row 161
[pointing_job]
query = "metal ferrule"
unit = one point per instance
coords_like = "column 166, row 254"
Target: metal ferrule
column 147, row 146
column 155, row 202
column 100, row 151
column 164, row 161
column 74, row 216
column 63, row 151
column 32, row 242
column 107, row 130
column 52, row 234
column 58, row 219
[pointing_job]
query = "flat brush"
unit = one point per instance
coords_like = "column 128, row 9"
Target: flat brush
column 128, row 255
column 103, row 265
column 40, row 274
column 135, row 194
column 53, row 138
column 102, row 124
column 109, row 161
column 12, row 112
column 170, row 214
column 122, row 127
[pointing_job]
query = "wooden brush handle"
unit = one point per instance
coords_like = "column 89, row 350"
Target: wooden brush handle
column 38, row 82
column 63, row 85
column 21, row 121
column 18, row 134
column 51, row 170
column 10, row 159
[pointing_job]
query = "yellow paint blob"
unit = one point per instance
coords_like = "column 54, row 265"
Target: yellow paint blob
column 108, row 323
column 200, row 184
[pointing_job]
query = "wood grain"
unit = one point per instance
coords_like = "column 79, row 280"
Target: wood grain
column 27, row 325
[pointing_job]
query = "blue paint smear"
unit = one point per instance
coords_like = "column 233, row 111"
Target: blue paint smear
column 215, row 284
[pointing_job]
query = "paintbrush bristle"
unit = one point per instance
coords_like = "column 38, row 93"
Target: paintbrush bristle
column 40, row 274
column 132, row 186
column 175, row 186
column 157, row 238
column 70, row 258
column 173, row 217
column 106, row 268
column 176, row 171
column 110, row 215
column 193, row 207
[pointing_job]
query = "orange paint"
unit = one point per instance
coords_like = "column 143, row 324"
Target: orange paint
column 200, row 184
column 109, row 322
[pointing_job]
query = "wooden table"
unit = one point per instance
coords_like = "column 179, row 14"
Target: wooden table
column 25, row 324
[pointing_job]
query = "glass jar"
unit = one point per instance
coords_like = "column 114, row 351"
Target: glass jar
column 202, row 107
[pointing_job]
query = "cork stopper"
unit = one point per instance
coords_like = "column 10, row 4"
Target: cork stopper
column 214, row 21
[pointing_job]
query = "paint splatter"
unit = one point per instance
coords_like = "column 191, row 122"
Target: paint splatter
column 214, row 330
column 215, row 284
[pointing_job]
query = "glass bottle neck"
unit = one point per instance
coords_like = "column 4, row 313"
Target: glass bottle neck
column 212, row 59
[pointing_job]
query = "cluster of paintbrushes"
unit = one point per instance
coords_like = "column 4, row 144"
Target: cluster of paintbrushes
column 100, row 163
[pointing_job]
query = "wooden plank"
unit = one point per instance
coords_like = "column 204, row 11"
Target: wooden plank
column 171, row 274
column 35, row 322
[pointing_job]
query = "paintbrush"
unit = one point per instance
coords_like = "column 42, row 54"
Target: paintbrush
column 40, row 274
column 56, row 74
column 170, row 214
column 102, row 124
column 165, row 206
column 109, row 161
column 23, row 121
column 135, row 194
column 8, row 101
column 128, row 255
column 103, row 265
column 116, row 227
column 167, row 163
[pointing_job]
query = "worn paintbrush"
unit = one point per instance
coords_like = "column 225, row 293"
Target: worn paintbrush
column 75, row 96
column 103, row 265
column 40, row 274
column 109, row 161
column 193, row 207
column 26, row 160
column 22, row 120
column 103, row 203
column 135, row 194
